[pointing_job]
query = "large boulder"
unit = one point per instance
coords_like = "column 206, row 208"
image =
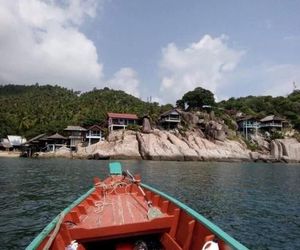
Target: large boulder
column 146, row 125
column 62, row 152
column 263, row 144
column 165, row 145
column 116, row 135
column 286, row 150
column 157, row 146
column 215, row 131
column 190, row 118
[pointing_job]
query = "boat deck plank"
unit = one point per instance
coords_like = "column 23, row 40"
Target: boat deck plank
column 118, row 214
column 115, row 210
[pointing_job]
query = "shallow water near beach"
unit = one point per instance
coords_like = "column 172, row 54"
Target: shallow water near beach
column 257, row 204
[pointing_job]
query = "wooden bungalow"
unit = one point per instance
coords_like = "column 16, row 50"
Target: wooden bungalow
column 95, row 134
column 170, row 119
column 271, row 123
column 76, row 135
column 34, row 145
column 54, row 142
column 248, row 125
column 120, row 121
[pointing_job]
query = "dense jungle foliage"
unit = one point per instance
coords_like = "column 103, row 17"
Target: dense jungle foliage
column 260, row 106
column 31, row 110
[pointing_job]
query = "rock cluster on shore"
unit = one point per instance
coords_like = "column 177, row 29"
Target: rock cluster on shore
column 164, row 145
column 195, row 140
column 190, row 146
column 287, row 150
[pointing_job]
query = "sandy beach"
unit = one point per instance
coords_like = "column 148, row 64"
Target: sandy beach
column 10, row 154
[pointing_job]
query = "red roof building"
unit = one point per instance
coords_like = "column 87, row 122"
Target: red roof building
column 122, row 116
column 118, row 120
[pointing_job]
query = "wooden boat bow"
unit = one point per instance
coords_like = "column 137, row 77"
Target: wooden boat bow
column 114, row 214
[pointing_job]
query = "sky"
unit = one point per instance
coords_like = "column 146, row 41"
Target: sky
column 159, row 48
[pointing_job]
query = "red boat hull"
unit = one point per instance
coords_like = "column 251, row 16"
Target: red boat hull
column 115, row 215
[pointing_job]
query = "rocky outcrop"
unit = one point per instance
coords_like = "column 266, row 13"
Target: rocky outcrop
column 191, row 146
column 261, row 142
column 121, row 144
column 164, row 145
column 281, row 150
column 157, row 146
column 215, row 131
column 287, row 150
column 62, row 152
column 262, row 157
column 190, row 118
column 146, row 128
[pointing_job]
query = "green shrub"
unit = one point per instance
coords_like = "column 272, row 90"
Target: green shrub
column 276, row 135
column 230, row 123
column 133, row 127
column 233, row 138
column 297, row 136
column 251, row 146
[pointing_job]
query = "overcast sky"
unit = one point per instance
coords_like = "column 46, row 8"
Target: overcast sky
column 157, row 48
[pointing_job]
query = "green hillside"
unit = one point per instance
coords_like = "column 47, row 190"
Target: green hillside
column 30, row 110
column 260, row 106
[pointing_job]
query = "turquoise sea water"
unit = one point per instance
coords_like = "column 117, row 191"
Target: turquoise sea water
column 258, row 204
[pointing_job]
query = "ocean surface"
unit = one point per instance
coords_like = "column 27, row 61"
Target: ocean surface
column 256, row 203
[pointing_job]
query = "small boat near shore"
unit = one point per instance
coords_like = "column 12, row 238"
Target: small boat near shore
column 122, row 213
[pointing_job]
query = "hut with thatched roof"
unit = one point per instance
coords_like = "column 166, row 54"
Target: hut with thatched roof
column 54, row 142
column 35, row 144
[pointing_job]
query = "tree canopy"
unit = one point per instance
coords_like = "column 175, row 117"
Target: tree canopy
column 30, row 110
column 196, row 98
column 260, row 106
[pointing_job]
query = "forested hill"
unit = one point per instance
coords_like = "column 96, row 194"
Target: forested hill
column 30, row 110
column 260, row 106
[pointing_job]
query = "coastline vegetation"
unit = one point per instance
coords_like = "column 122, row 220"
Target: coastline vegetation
column 260, row 106
column 35, row 109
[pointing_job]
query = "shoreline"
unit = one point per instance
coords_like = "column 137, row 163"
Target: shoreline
column 169, row 159
column 173, row 146
column 9, row 154
column 75, row 156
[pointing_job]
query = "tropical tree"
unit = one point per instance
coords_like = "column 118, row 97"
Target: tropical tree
column 196, row 99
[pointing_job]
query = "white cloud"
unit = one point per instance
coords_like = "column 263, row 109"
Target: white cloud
column 292, row 38
column 277, row 79
column 204, row 63
column 41, row 14
column 40, row 41
column 125, row 79
column 261, row 79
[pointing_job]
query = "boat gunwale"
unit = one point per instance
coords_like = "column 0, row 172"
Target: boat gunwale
column 207, row 223
column 46, row 231
column 211, row 226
